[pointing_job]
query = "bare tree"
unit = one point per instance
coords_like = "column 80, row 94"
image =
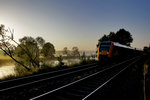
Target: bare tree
column 6, row 37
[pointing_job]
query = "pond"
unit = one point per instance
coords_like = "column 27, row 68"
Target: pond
column 66, row 62
column 7, row 70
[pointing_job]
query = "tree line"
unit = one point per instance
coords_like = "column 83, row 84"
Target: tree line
column 122, row 36
column 74, row 52
column 28, row 51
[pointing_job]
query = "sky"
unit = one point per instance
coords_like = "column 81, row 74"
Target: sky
column 81, row 23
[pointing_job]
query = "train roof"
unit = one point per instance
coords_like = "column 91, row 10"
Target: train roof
column 118, row 44
column 123, row 46
column 139, row 49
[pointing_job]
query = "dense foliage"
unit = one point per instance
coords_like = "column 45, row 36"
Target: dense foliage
column 28, row 51
column 48, row 50
column 122, row 36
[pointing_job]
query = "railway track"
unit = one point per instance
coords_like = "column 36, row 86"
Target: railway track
column 83, row 88
column 23, row 88
column 23, row 81
column 31, row 86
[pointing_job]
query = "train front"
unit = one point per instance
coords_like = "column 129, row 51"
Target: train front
column 105, row 50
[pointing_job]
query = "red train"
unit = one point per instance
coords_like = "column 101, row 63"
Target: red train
column 109, row 49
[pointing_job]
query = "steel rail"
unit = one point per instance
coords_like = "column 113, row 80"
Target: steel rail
column 108, row 80
column 17, row 86
column 54, row 90
column 32, row 76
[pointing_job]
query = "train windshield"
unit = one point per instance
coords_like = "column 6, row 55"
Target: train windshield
column 105, row 46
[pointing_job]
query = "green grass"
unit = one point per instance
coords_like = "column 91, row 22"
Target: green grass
column 5, row 60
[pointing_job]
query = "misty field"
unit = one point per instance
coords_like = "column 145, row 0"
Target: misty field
column 5, row 60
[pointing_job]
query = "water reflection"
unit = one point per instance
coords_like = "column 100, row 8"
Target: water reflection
column 10, row 70
column 66, row 62
column 71, row 61
column 7, row 70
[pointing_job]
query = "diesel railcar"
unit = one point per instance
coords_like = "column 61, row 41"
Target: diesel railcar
column 110, row 49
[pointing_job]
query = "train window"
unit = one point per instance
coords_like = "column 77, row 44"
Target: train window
column 106, row 43
column 104, row 49
column 105, row 46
